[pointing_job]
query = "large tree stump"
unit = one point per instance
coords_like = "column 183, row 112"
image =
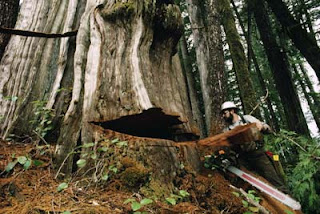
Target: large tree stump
column 121, row 72
column 152, row 165
column 131, row 81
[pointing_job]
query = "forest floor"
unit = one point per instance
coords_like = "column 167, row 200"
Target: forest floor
column 35, row 190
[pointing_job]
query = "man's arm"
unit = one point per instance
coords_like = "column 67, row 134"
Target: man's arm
column 263, row 127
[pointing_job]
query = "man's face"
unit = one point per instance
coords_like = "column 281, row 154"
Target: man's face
column 227, row 115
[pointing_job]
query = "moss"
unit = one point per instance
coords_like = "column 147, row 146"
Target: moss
column 128, row 162
column 157, row 189
column 128, row 9
column 119, row 10
column 135, row 174
column 172, row 19
column 168, row 24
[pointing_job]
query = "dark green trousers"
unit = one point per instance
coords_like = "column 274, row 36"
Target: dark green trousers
column 259, row 162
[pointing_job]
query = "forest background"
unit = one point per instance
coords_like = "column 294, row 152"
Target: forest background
column 263, row 55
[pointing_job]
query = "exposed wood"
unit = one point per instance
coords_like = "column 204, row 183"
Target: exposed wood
column 238, row 135
column 128, row 78
column 161, row 157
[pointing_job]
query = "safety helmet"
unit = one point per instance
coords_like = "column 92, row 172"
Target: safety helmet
column 228, row 105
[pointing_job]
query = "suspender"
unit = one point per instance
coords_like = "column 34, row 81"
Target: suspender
column 243, row 120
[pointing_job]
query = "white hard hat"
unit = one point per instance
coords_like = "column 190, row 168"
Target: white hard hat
column 228, row 105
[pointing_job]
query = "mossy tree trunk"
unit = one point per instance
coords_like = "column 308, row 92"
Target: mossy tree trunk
column 209, row 56
column 301, row 80
column 273, row 120
column 120, row 72
column 216, row 65
column 239, row 60
column 299, row 36
column 194, row 100
column 281, row 72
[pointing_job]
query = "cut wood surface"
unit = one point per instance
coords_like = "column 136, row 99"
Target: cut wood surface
column 238, row 135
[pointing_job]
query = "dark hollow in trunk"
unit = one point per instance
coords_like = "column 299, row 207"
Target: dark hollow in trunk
column 152, row 123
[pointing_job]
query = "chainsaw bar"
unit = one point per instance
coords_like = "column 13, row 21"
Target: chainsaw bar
column 273, row 192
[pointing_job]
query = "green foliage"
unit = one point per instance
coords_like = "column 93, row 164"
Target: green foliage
column 288, row 212
column 301, row 160
column 171, row 200
column 24, row 161
column 252, row 196
column 174, row 199
column 136, row 205
column 81, row 163
column 99, row 155
column 43, row 117
column 62, row 186
column 13, row 98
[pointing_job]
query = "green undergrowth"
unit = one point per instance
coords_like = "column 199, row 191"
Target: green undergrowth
column 300, row 157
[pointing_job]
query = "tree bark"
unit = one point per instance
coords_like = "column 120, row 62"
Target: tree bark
column 300, row 37
column 273, row 122
column 195, row 104
column 120, row 73
column 153, row 166
column 9, row 12
column 281, row 73
column 315, row 96
column 239, row 60
column 216, row 77
column 313, row 108
column 209, row 60
column 32, row 67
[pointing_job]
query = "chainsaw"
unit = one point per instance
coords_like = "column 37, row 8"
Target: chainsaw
column 225, row 161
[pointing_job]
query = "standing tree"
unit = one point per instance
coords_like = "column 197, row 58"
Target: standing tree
column 207, row 41
column 251, row 55
column 195, row 104
column 281, row 73
column 300, row 37
column 239, row 60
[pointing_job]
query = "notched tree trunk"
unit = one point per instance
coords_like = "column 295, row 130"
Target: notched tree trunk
column 121, row 73
column 129, row 81
column 152, row 165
